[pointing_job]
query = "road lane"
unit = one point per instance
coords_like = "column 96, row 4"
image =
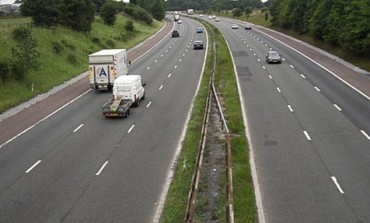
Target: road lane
column 109, row 169
column 300, row 150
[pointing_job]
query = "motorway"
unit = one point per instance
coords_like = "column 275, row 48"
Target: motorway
column 309, row 133
column 77, row 166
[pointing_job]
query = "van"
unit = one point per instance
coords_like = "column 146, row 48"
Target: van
column 129, row 87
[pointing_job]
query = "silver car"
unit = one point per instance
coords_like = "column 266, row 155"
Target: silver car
column 273, row 57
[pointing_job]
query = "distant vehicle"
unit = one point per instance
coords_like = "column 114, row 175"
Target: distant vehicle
column 235, row 26
column 273, row 57
column 199, row 29
column 210, row 17
column 201, row 16
column 213, row 17
column 217, row 19
column 175, row 34
column 179, row 21
column 198, row 44
column 190, row 11
column 176, row 16
column 247, row 27
column 128, row 90
column 105, row 66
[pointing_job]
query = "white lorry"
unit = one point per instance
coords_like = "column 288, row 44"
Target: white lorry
column 105, row 66
column 176, row 16
column 190, row 11
column 128, row 90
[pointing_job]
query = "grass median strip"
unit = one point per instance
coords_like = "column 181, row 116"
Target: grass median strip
column 225, row 82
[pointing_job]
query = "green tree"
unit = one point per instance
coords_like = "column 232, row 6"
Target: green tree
column 248, row 10
column 24, row 54
column 44, row 13
column 158, row 9
column 356, row 36
column 78, row 14
column 237, row 12
column 99, row 4
column 108, row 13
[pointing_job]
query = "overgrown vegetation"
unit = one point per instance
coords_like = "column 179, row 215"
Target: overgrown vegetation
column 244, row 200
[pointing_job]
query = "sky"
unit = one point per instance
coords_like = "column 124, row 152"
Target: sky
column 2, row 2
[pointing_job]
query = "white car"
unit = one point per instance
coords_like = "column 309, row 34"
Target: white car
column 210, row 17
column 179, row 21
column 217, row 19
column 235, row 26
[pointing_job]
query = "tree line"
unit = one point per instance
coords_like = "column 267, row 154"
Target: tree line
column 343, row 23
column 79, row 14
column 212, row 5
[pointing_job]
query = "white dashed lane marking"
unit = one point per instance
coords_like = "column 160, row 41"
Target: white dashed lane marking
column 33, row 166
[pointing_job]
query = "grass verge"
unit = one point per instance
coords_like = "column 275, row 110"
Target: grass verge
column 225, row 82
column 64, row 54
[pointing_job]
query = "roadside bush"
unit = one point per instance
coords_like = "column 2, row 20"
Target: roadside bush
column 71, row 59
column 4, row 71
column 110, row 43
column 19, row 71
column 129, row 26
column 96, row 41
column 237, row 12
column 57, row 48
column 68, row 45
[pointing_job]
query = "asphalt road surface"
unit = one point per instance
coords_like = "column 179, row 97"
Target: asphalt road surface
column 77, row 166
column 308, row 130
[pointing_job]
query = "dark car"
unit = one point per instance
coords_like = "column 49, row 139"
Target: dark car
column 248, row 27
column 199, row 29
column 198, row 44
column 273, row 57
column 175, row 34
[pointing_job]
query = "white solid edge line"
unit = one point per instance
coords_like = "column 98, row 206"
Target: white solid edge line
column 76, row 129
column 43, row 119
column 257, row 192
column 148, row 104
column 318, row 64
column 33, row 166
column 337, row 184
column 337, row 107
column 307, row 135
column 131, row 128
column 171, row 171
column 101, row 168
column 365, row 134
